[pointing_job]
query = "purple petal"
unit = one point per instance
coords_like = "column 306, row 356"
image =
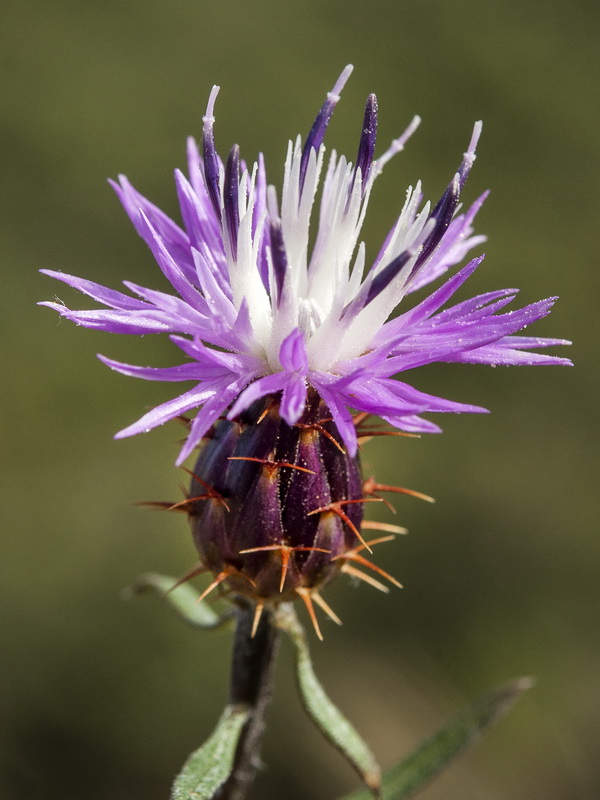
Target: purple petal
column 171, row 409
column 181, row 372
column 293, row 399
column 260, row 388
column 428, row 306
column 194, row 170
column 341, row 417
column 173, row 307
column 502, row 354
column 292, row 353
column 236, row 363
column 413, row 424
column 113, row 321
column 199, row 218
column 175, row 240
column 206, row 417
column 169, row 267
column 109, row 297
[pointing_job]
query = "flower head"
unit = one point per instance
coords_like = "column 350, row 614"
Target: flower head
column 258, row 313
column 290, row 348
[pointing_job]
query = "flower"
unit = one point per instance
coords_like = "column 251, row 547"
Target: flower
column 258, row 315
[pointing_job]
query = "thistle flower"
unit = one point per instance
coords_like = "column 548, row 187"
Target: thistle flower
column 286, row 341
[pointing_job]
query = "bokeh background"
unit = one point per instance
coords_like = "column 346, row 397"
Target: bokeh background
column 103, row 698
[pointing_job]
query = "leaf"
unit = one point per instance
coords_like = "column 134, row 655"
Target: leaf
column 411, row 774
column 183, row 599
column 207, row 769
column 321, row 710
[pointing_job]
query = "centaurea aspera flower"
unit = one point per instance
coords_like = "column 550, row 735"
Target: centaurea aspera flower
column 283, row 319
column 259, row 316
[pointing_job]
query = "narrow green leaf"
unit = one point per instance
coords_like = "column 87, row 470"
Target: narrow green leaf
column 411, row 774
column 321, row 710
column 207, row 769
column 183, row 599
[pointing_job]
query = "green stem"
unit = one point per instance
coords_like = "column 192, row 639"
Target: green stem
column 251, row 682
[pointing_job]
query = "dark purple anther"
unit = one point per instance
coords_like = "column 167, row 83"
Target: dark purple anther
column 230, row 197
column 387, row 275
column 366, row 148
column 441, row 217
column 211, row 159
column 278, row 256
column 314, row 140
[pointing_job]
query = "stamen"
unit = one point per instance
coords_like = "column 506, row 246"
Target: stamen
column 307, row 599
column 211, row 160
column 398, row 144
column 230, row 197
column 278, row 256
column 314, row 140
column 366, row 147
column 469, row 156
column 435, row 228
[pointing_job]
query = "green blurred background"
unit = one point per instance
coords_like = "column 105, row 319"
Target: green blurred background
column 104, row 699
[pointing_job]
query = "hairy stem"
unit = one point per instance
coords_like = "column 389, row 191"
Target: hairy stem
column 251, row 681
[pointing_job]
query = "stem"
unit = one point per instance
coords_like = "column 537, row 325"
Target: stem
column 251, row 682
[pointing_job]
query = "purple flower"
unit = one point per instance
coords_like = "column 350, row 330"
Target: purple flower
column 257, row 314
